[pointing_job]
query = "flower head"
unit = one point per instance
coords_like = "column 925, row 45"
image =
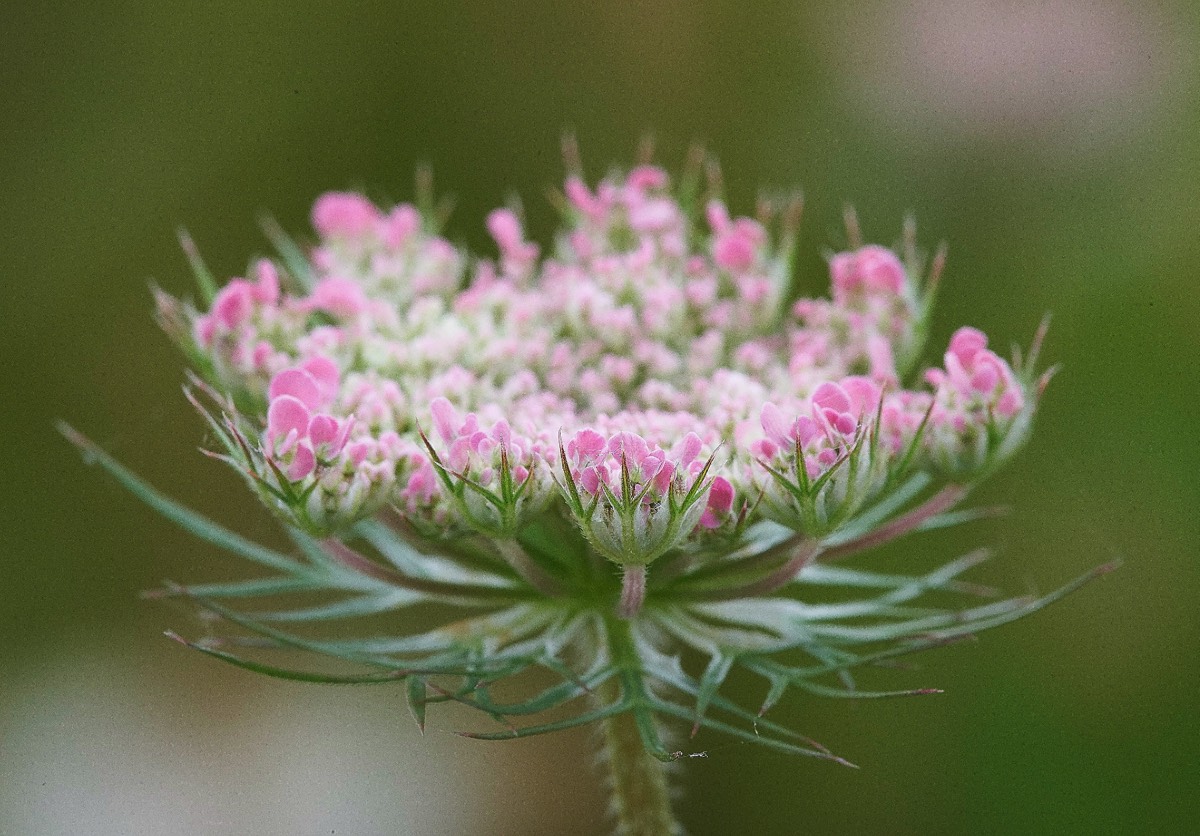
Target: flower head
column 639, row 443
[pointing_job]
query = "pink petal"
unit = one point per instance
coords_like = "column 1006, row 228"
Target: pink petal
column 445, row 419
column 984, row 379
column 646, row 177
column 685, row 451
column 774, row 424
column 297, row 383
column 764, row 448
column 805, row 430
column 233, row 305
column 502, row 433
column 720, row 495
column 343, row 214
column 358, row 451
column 652, row 216
column 338, row 296
column 662, row 472
column 733, row 252
column 1010, row 403
column 717, row 215
column 864, row 394
column 880, row 270
column 287, row 414
column 322, row 429
column 589, row 480
column 400, row 223
column 303, row 464
column 966, row 343
column 458, row 457
column 343, row 435
column 581, row 197
column 204, row 330
column 266, row 289
column 503, row 226
column 843, row 271
column 325, row 372
column 881, row 359
column 831, row 396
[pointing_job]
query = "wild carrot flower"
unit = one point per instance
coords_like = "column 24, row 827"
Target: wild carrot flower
column 633, row 462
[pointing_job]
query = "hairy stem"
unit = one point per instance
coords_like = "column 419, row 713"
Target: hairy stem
column 640, row 798
column 631, row 748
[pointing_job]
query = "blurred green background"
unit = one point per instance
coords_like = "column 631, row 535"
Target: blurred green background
column 1055, row 144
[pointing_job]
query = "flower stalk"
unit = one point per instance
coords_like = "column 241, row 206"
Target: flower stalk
column 641, row 798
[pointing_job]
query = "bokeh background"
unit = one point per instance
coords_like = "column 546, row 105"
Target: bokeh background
column 1055, row 144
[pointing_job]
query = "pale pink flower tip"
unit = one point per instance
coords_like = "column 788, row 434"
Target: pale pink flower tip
column 233, row 304
column 399, row 226
column 871, row 269
column 648, row 177
column 344, row 215
column 445, row 419
column 505, row 229
column 266, row 288
column 338, row 296
column 966, row 342
column 582, row 198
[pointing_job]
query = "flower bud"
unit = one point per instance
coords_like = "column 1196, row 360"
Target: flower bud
column 633, row 501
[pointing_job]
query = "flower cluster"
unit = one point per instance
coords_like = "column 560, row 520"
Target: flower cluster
column 650, row 328
column 640, row 443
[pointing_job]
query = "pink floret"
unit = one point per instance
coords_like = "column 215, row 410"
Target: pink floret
column 344, row 215
column 871, row 269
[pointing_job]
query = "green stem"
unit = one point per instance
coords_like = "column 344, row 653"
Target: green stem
column 640, row 797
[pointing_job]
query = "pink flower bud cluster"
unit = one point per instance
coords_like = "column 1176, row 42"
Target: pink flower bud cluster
column 244, row 329
column 599, row 464
column 497, row 476
column 976, row 394
column 634, row 221
column 389, row 255
column 823, row 433
column 635, row 500
column 871, row 322
column 975, row 380
column 651, row 340
column 822, row 461
column 297, row 431
column 310, row 454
